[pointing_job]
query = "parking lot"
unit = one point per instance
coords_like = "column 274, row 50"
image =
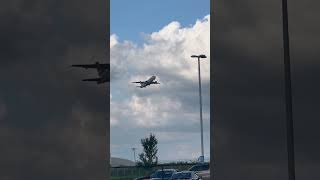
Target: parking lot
column 132, row 172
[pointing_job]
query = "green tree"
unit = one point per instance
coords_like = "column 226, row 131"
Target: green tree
column 149, row 155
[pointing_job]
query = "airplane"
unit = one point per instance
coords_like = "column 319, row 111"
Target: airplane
column 102, row 71
column 147, row 82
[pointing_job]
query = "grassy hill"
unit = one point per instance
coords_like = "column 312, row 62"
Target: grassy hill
column 115, row 162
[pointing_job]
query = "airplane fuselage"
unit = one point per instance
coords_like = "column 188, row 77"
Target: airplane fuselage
column 103, row 74
column 151, row 79
column 148, row 82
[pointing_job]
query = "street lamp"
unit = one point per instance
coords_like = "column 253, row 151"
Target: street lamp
column 200, row 101
column 134, row 154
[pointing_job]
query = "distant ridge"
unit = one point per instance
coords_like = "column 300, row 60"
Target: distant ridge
column 115, row 162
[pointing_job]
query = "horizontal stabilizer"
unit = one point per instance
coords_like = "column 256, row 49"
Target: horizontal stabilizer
column 96, row 66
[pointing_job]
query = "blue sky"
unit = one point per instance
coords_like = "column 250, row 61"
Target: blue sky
column 170, row 110
column 130, row 18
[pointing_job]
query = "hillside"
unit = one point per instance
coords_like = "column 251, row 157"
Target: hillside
column 120, row 162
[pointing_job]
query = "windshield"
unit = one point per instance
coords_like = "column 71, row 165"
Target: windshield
column 199, row 168
column 181, row 176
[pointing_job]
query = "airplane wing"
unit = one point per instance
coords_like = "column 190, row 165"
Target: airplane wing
column 138, row 82
column 92, row 79
column 86, row 66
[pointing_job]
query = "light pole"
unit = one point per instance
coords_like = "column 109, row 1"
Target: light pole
column 200, row 101
column 134, row 154
column 288, row 93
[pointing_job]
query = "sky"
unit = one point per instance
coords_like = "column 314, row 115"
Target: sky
column 157, row 38
column 131, row 20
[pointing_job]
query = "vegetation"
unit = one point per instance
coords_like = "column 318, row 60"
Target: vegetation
column 149, row 156
column 148, row 162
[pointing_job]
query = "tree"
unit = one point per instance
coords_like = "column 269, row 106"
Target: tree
column 149, row 155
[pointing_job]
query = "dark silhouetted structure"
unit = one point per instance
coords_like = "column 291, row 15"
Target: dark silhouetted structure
column 288, row 93
column 103, row 71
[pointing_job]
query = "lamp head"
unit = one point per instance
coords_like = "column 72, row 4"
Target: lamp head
column 200, row 56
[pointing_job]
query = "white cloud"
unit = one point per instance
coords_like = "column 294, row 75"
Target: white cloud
column 173, row 104
column 150, row 112
column 168, row 49
column 113, row 40
column 114, row 121
column 144, row 112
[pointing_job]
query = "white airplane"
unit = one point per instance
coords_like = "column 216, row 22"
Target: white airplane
column 147, row 82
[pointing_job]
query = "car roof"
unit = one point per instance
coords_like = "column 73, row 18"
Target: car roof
column 184, row 172
column 204, row 164
column 167, row 170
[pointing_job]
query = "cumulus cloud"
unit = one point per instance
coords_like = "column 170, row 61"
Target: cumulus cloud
column 167, row 50
column 113, row 40
column 174, row 104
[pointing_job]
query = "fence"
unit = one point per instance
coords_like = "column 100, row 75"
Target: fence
column 132, row 172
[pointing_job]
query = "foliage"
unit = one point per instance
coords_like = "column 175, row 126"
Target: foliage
column 150, row 150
